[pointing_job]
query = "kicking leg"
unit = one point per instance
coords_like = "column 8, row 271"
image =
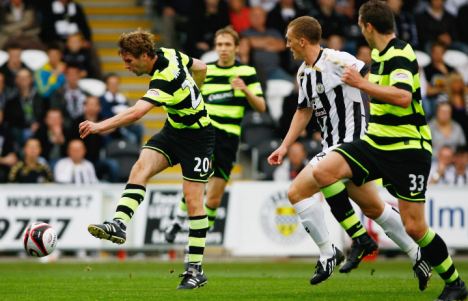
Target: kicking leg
column 149, row 163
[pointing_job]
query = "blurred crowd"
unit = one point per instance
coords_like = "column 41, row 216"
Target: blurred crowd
column 40, row 109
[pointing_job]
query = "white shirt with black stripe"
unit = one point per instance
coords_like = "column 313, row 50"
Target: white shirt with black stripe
column 338, row 108
column 66, row 171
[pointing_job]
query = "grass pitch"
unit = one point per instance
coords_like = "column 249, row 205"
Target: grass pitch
column 381, row 280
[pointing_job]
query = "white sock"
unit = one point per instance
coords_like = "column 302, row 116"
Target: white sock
column 390, row 221
column 310, row 213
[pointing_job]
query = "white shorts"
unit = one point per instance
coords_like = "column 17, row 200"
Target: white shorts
column 321, row 155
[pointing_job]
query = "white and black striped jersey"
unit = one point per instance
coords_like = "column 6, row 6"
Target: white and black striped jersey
column 338, row 108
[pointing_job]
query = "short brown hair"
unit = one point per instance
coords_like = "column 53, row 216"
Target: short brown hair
column 379, row 14
column 137, row 42
column 307, row 27
column 230, row 31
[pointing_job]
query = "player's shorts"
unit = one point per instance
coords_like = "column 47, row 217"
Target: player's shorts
column 225, row 153
column 192, row 148
column 322, row 155
column 404, row 172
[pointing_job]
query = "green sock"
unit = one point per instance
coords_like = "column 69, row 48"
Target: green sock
column 198, row 226
column 211, row 216
column 434, row 250
column 132, row 196
column 341, row 208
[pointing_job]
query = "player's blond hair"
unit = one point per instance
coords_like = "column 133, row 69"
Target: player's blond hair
column 229, row 31
column 306, row 27
column 137, row 43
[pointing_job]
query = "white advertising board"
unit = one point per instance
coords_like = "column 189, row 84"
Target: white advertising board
column 261, row 222
column 66, row 208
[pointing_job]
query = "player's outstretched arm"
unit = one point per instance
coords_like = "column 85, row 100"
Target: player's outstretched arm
column 125, row 117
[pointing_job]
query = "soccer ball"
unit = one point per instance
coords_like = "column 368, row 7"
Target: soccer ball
column 39, row 239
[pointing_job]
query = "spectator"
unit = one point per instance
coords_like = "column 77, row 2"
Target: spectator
column 114, row 102
column 13, row 65
column 363, row 53
column 405, row 24
column 239, row 15
column 50, row 77
column 53, row 136
column 457, row 174
column 25, row 109
column 64, row 18
column 107, row 169
column 444, row 130
column 7, row 153
column 335, row 42
column 175, row 15
column 461, row 25
column 31, row 169
column 278, row 18
column 264, row 46
column 69, row 98
column 94, row 144
column 436, row 75
column 326, row 14
column 293, row 164
column 75, row 169
column 77, row 54
column 208, row 17
column 435, row 24
column 18, row 22
column 439, row 167
column 283, row 12
column 458, row 99
column 5, row 92
column 267, row 5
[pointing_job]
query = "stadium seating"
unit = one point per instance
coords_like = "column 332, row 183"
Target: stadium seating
column 457, row 60
column 34, row 59
column 3, row 57
column 209, row 57
column 423, row 58
column 256, row 128
column 261, row 169
column 92, row 86
column 277, row 89
column 125, row 153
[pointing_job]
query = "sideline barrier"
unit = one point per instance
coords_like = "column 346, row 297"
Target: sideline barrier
column 260, row 221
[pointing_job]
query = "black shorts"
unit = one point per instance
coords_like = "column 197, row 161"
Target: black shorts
column 192, row 148
column 225, row 153
column 404, row 172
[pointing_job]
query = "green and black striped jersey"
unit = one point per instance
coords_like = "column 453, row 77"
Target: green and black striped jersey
column 173, row 87
column 393, row 127
column 225, row 105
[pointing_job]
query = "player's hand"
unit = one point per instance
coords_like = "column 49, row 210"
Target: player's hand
column 352, row 77
column 87, row 128
column 238, row 84
column 276, row 157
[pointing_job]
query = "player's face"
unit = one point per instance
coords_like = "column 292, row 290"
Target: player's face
column 294, row 44
column 366, row 32
column 135, row 65
column 226, row 49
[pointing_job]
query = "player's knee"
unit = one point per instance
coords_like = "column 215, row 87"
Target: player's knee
column 371, row 212
column 294, row 194
column 414, row 229
column 321, row 176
